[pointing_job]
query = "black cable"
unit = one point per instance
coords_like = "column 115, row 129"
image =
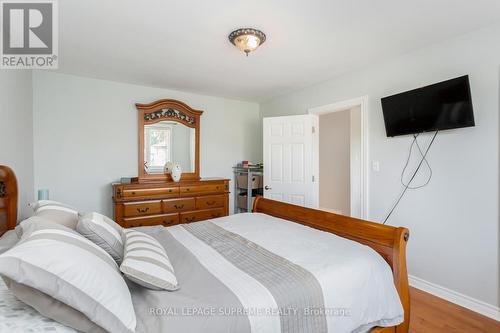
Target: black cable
column 406, row 186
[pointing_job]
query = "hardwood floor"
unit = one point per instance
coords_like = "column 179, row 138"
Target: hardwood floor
column 430, row 314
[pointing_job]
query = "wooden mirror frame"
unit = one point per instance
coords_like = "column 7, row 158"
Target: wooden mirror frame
column 173, row 110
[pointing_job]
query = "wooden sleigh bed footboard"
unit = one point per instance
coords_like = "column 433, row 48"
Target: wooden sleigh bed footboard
column 389, row 242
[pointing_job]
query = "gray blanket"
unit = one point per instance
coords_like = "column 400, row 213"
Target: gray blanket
column 205, row 304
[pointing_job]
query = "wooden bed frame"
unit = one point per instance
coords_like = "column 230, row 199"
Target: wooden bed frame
column 8, row 199
column 388, row 241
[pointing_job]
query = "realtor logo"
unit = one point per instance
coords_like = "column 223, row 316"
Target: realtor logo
column 29, row 34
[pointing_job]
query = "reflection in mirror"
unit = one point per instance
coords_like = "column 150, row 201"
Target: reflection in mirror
column 168, row 141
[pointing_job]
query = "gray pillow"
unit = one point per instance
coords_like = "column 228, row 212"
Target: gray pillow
column 64, row 265
column 104, row 232
column 52, row 308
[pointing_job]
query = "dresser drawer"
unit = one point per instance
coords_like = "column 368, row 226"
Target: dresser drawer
column 142, row 208
column 210, row 201
column 201, row 215
column 149, row 192
column 164, row 220
column 200, row 189
column 178, row 205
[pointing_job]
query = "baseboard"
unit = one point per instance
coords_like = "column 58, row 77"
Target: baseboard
column 470, row 303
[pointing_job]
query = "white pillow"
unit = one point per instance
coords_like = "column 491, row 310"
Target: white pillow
column 40, row 203
column 146, row 262
column 62, row 264
column 56, row 212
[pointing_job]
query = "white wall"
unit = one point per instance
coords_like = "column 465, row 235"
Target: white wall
column 85, row 133
column 334, row 161
column 16, row 132
column 454, row 220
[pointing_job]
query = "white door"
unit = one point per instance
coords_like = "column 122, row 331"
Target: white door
column 288, row 160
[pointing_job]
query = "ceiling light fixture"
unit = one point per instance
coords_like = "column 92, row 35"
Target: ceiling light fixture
column 247, row 39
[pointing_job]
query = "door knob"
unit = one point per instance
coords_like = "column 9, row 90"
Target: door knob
column 267, row 188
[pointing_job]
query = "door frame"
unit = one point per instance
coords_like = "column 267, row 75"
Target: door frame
column 362, row 102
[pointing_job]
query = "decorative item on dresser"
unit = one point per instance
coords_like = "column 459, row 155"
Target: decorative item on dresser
column 176, row 172
column 169, row 141
column 169, row 203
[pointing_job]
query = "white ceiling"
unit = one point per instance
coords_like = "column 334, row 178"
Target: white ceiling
column 183, row 45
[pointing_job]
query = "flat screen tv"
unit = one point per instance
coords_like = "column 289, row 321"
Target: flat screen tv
column 441, row 106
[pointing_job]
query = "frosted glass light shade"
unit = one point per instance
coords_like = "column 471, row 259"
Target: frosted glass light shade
column 247, row 39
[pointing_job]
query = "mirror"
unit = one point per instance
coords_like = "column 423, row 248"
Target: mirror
column 169, row 131
column 168, row 141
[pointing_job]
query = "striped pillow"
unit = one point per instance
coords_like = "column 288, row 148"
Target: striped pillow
column 104, row 232
column 146, row 262
column 34, row 223
column 56, row 212
column 41, row 203
column 56, row 261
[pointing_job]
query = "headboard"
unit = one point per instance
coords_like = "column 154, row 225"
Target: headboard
column 8, row 199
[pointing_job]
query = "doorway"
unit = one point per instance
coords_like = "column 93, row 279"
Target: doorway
column 339, row 157
column 288, row 159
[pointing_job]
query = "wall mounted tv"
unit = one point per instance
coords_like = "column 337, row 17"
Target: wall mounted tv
column 441, row 106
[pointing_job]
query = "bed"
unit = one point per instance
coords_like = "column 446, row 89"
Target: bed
column 232, row 270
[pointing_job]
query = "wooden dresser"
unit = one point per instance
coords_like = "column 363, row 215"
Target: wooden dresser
column 169, row 203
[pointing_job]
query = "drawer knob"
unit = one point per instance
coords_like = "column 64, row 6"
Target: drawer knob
column 190, row 219
column 142, row 210
column 179, row 206
column 167, row 222
column 210, row 203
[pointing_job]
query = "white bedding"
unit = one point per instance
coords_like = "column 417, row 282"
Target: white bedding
column 356, row 282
